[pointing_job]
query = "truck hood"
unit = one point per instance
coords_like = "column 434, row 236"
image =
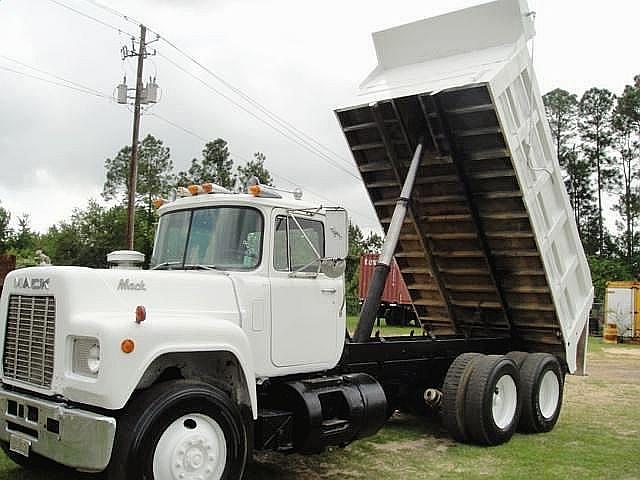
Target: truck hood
column 90, row 293
column 185, row 311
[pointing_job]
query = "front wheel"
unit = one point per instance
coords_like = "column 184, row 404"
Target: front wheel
column 180, row 430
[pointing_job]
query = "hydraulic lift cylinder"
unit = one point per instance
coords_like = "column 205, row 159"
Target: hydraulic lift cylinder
column 369, row 311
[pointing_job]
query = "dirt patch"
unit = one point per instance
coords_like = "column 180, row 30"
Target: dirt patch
column 623, row 351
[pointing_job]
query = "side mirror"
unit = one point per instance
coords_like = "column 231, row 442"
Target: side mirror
column 336, row 242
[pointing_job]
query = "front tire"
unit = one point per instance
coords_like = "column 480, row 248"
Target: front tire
column 180, row 430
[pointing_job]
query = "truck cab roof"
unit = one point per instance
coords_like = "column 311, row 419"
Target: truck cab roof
column 244, row 199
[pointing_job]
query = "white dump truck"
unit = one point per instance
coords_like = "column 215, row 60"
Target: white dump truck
column 235, row 340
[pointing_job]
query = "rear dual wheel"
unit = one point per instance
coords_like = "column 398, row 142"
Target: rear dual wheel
column 492, row 401
column 542, row 392
column 481, row 399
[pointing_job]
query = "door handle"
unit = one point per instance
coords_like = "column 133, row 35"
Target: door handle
column 328, row 290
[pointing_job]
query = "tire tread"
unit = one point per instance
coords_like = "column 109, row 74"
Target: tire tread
column 453, row 394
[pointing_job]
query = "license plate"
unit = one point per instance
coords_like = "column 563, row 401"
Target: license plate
column 19, row 445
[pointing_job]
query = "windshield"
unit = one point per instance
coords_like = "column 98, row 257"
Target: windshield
column 218, row 237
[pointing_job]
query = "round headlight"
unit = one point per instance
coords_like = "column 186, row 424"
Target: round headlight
column 93, row 358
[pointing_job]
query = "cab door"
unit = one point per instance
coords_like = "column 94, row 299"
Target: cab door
column 304, row 303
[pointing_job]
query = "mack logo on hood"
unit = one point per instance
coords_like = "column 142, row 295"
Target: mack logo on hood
column 32, row 283
column 126, row 284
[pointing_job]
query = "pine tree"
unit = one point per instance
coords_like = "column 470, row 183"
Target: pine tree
column 626, row 143
column 562, row 114
column 254, row 168
column 215, row 166
column 562, row 109
column 155, row 179
column 595, row 109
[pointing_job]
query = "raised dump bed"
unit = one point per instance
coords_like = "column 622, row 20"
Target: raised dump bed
column 489, row 246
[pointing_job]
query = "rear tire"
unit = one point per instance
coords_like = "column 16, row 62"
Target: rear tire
column 180, row 430
column 453, row 394
column 542, row 388
column 517, row 357
column 492, row 401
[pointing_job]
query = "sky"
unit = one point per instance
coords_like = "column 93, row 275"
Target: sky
column 300, row 60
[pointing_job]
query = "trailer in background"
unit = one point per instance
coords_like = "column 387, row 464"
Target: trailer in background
column 622, row 309
column 395, row 305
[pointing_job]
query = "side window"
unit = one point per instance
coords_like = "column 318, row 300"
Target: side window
column 292, row 250
column 280, row 245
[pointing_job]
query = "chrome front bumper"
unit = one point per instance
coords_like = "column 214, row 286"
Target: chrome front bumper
column 76, row 438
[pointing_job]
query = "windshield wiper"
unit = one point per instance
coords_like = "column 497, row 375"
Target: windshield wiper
column 198, row 266
column 162, row 265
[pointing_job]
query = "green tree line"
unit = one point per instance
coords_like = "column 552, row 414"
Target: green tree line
column 597, row 141
column 97, row 229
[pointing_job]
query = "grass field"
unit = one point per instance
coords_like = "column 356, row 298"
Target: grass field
column 597, row 436
column 352, row 321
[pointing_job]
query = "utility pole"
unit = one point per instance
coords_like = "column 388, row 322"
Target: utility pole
column 143, row 95
column 133, row 165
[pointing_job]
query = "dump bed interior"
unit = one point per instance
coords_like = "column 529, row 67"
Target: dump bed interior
column 489, row 246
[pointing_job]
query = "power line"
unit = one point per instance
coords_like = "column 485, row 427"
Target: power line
column 91, row 17
column 294, row 134
column 57, row 77
column 90, row 91
column 68, row 85
column 301, row 137
column 113, row 11
column 307, row 147
column 297, row 132
column 180, row 127
column 288, row 180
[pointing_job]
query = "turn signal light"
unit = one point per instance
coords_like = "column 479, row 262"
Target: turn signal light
column 127, row 345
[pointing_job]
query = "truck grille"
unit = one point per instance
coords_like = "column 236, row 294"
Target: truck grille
column 29, row 339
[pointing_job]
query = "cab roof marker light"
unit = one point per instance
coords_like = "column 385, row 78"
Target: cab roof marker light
column 195, row 189
column 214, row 188
column 158, row 202
column 257, row 190
column 183, row 192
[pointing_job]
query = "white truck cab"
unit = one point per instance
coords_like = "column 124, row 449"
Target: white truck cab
column 241, row 287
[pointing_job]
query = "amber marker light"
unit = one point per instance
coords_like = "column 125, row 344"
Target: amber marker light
column 254, row 190
column 127, row 345
column 195, row 189
column 141, row 314
column 158, row 202
column 207, row 187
